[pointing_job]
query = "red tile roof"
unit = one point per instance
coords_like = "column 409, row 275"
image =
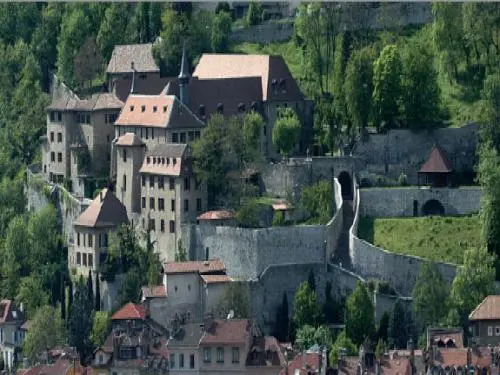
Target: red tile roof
column 488, row 309
column 232, row 331
column 168, row 159
column 129, row 139
column 437, row 162
column 129, row 312
column 140, row 54
column 302, row 363
column 217, row 215
column 157, row 291
column 458, row 357
column 205, row 267
column 216, row 279
column 104, row 211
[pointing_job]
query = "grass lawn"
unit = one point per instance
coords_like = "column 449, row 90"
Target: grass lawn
column 434, row 238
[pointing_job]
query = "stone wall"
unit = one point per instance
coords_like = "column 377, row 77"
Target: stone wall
column 399, row 270
column 268, row 32
column 385, row 303
column 399, row 202
column 402, row 151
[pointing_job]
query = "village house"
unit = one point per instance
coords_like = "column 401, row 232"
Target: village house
column 92, row 231
column 76, row 147
column 190, row 291
column 485, row 322
column 11, row 332
column 136, row 344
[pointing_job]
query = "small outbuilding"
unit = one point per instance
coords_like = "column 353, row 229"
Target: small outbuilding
column 437, row 170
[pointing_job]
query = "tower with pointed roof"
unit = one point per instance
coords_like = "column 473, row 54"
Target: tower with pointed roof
column 184, row 78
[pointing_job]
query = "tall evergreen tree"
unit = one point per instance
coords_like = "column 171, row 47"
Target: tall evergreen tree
column 90, row 289
column 398, row 327
column 97, row 293
column 80, row 321
column 359, row 315
column 311, row 280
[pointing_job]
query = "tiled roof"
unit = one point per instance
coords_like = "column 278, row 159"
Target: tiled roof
column 282, row 206
column 188, row 335
column 303, row 363
column 129, row 139
column 446, row 335
column 170, row 159
column 217, row 215
column 215, row 279
column 130, row 311
column 210, row 266
column 488, row 309
column 458, row 357
column 104, row 211
column 268, row 68
column 158, row 111
column 141, row 86
column 140, row 54
column 9, row 312
column 436, row 163
column 232, row 331
column 94, row 103
column 156, row 291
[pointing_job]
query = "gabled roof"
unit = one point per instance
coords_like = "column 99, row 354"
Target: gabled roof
column 188, row 335
column 140, row 54
column 232, row 331
column 9, row 312
column 206, row 267
column 270, row 69
column 436, row 163
column 156, row 291
column 99, row 101
column 129, row 140
column 159, row 111
column 488, row 309
column 216, row 279
column 169, row 159
column 104, row 211
column 217, row 215
column 141, row 86
column 130, row 311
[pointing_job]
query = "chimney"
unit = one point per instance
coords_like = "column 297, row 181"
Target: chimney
column 184, row 77
column 469, row 356
column 132, row 86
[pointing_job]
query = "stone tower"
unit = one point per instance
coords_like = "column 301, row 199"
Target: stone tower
column 184, row 78
column 129, row 157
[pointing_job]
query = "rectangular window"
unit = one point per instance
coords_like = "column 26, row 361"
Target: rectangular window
column 187, row 184
column 143, row 202
column 152, row 181
column 151, row 203
column 147, row 133
column 124, row 155
column 161, row 204
column 220, row 355
column 172, row 226
column 105, row 244
column 198, row 204
column 91, row 263
column 181, row 360
column 59, row 137
column 196, row 184
column 490, row 331
column 207, row 355
column 87, row 119
column 153, row 133
column 175, row 138
column 172, row 360
column 191, row 361
column 183, row 137
column 162, row 226
column 143, row 180
column 152, row 224
column 52, row 117
column 197, row 134
column 191, row 136
column 236, row 355
column 52, row 136
column 59, row 116
column 171, row 183
column 59, row 157
column 78, row 258
column 52, row 156
column 497, row 331
column 124, row 182
column 172, row 205
column 90, row 240
column 161, row 182
column 186, row 205
column 84, row 260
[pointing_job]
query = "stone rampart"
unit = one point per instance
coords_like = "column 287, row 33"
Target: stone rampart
column 406, row 201
column 399, row 270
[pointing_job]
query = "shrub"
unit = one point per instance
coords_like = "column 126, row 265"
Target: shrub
column 248, row 215
column 318, row 200
column 403, row 179
column 278, row 219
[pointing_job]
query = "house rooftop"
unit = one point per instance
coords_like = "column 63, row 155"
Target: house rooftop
column 104, row 211
column 170, row 159
column 140, row 54
column 216, row 279
column 201, row 267
column 96, row 102
column 129, row 140
column 9, row 312
column 217, row 215
column 130, row 311
column 437, row 162
column 156, row 291
column 188, row 334
column 488, row 309
column 221, row 331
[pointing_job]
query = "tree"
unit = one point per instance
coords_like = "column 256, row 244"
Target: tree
column 286, row 130
column 112, row 30
column 383, row 326
column 308, row 336
column 252, row 128
column 306, row 309
column 282, row 321
column 473, row 281
column 359, row 315
column 97, row 293
column 421, row 94
column 381, row 349
column 181, row 254
column 15, row 257
column 317, row 200
column 358, row 88
column 430, row 296
column 254, row 13
column 387, row 86
column 131, row 287
column 491, row 110
column 397, row 331
column 32, row 295
column 223, row 6
column 332, row 309
column 311, row 280
column 47, row 330
column 90, row 290
column 88, row 62
column 221, row 31
column 341, row 342
column 80, row 321
column 100, row 328
column 235, row 298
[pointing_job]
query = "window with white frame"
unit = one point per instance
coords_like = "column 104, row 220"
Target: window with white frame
column 490, row 331
column 497, row 331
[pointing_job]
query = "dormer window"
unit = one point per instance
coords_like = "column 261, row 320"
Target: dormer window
column 168, row 161
column 143, row 108
column 201, row 110
column 154, row 160
column 241, row 107
column 274, row 82
column 220, row 108
column 162, row 161
column 174, row 161
column 155, row 108
column 148, row 160
column 164, row 108
column 131, row 108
